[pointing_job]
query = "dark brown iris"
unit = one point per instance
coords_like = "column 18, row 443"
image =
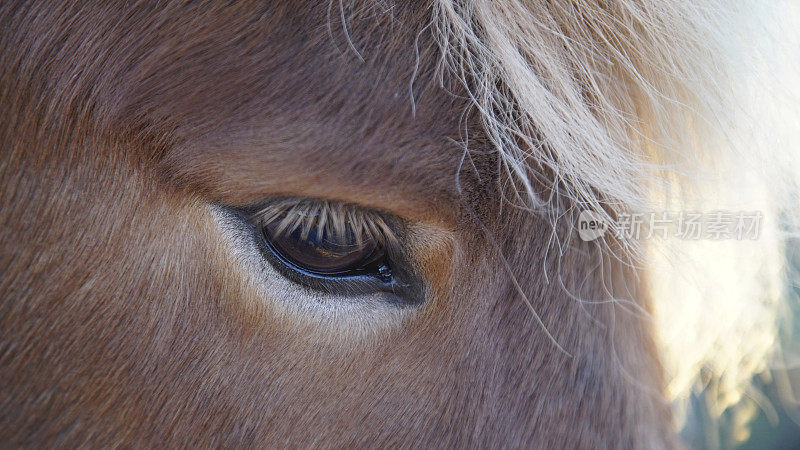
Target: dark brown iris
column 325, row 253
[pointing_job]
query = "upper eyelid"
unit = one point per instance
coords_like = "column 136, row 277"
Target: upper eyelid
column 330, row 216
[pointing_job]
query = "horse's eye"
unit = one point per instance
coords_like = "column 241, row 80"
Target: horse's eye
column 320, row 251
column 336, row 256
column 336, row 248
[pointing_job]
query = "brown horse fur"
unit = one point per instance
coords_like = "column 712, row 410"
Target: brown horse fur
column 129, row 309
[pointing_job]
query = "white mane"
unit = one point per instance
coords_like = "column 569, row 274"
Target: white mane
column 631, row 106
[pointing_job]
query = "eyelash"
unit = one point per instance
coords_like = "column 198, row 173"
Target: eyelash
column 390, row 276
column 328, row 216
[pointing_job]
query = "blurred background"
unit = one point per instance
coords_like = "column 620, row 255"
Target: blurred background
column 774, row 401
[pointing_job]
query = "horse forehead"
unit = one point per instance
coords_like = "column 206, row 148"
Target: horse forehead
column 355, row 111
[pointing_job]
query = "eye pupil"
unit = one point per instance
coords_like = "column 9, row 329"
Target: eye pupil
column 324, row 252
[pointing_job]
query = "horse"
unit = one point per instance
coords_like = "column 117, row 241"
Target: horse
column 356, row 223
